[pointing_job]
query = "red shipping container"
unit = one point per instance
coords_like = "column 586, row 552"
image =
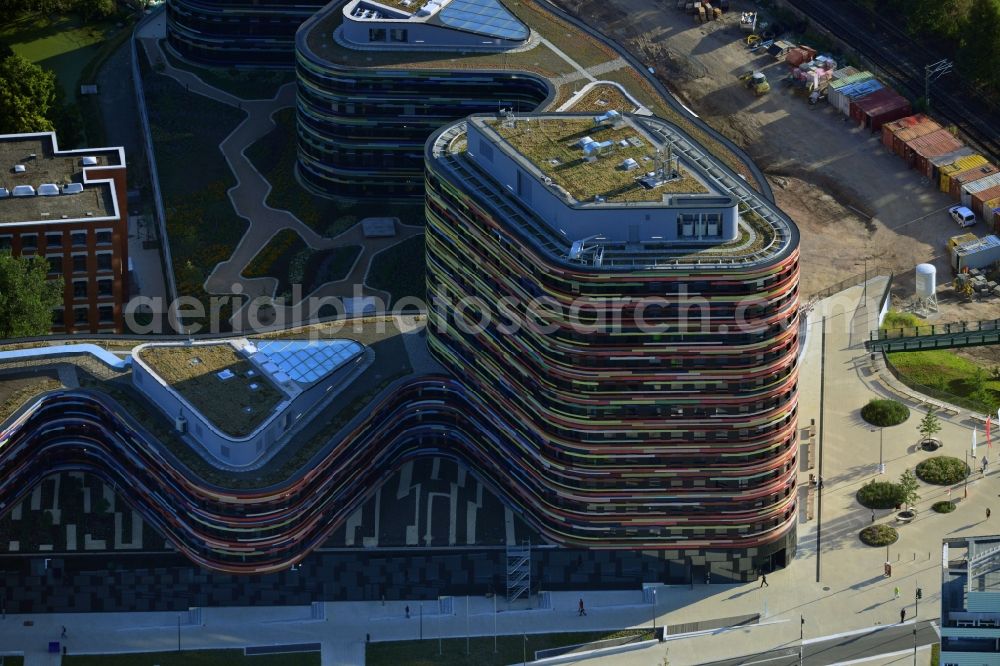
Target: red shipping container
column 967, row 176
column 879, row 107
column 890, row 130
column 979, row 200
column 911, row 132
column 918, row 150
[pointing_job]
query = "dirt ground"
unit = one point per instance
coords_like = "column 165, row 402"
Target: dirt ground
column 851, row 199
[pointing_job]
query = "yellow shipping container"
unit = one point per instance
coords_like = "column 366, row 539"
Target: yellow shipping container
column 962, row 239
column 959, row 165
column 992, row 218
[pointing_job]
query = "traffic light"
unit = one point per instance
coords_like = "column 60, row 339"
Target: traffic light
column 920, row 593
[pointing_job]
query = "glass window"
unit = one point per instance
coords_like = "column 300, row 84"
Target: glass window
column 79, row 263
column 104, row 261
column 53, row 240
column 29, row 240
column 106, row 313
column 103, row 237
column 79, row 238
column 376, row 34
column 55, row 263
column 79, row 288
column 81, row 316
column 6, row 241
column 104, row 287
column 58, row 317
column 398, row 35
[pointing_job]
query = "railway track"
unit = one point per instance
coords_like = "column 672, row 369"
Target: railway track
column 902, row 61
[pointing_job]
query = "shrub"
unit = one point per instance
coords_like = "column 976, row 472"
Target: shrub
column 942, row 470
column 945, row 506
column 880, row 495
column 884, row 413
column 878, row 535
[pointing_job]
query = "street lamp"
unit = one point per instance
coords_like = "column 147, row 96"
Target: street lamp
column 881, row 462
column 654, row 610
column 802, row 627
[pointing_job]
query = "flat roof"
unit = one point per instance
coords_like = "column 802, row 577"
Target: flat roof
column 34, row 159
column 765, row 233
column 557, row 146
column 487, row 18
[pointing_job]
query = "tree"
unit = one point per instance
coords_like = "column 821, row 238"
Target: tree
column 979, row 56
column 930, row 425
column 26, row 296
column 27, row 92
column 908, row 485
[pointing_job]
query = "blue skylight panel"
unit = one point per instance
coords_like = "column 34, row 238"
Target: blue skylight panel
column 483, row 17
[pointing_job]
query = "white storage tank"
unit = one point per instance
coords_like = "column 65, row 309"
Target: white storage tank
column 926, row 280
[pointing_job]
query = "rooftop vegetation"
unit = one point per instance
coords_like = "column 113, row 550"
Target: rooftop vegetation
column 551, row 144
column 233, row 405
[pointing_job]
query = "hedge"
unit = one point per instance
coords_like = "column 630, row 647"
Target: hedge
column 884, row 413
column 878, row 535
column 942, row 470
column 945, row 506
column 880, row 495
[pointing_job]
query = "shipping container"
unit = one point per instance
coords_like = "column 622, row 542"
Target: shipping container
column 799, row 55
column 880, row 107
column 984, row 253
column 978, row 186
column 980, row 202
column 992, row 213
column 842, row 97
column 960, row 164
column 996, row 216
column 844, row 72
column 957, row 180
column 947, row 161
column 906, row 129
column 921, row 149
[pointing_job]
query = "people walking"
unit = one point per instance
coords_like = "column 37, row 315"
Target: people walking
column 407, row 612
column 582, row 611
column 895, row 592
column 902, row 615
column 988, row 514
column 763, row 581
column 63, row 635
column 873, row 516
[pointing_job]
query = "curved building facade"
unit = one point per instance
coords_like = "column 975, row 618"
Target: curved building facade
column 245, row 32
column 649, row 370
column 365, row 110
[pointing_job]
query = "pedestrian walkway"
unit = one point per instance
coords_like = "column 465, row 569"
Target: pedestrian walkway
column 249, row 196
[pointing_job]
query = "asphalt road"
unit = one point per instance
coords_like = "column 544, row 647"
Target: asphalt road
column 884, row 640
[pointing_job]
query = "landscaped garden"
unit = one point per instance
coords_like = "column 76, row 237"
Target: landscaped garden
column 888, row 494
column 400, row 270
column 943, row 374
column 879, row 535
column 202, row 226
column 942, row 470
column 289, row 260
column 885, row 413
column 275, row 157
column 510, row 649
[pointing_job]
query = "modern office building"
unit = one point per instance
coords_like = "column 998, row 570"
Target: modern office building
column 244, row 32
column 626, row 308
column 970, row 601
column 375, row 79
column 69, row 206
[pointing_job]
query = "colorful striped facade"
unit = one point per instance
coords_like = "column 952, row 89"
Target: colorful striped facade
column 362, row 129
column 682, row 439
column 244, row 32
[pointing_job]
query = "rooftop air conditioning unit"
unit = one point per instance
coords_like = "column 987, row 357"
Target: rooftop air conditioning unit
column 48, row 190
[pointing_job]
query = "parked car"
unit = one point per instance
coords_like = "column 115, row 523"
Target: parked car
column 962, row 216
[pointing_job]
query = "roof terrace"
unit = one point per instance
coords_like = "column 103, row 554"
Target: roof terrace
column 678, row 205
column 30, row 161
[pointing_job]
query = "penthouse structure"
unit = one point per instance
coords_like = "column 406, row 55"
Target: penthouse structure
column 70, row 207
column 627, row 308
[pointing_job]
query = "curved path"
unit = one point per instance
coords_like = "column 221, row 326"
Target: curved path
column 249, row 195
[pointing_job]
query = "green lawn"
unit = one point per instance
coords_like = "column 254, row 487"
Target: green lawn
column 275, row 157
column 400, row 270
column 194, row 658
column 511, row 649
column 63, row 44
column 202, row 226
column 245, row 83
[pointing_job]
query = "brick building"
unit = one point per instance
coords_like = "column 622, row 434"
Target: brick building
column 69, row 206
